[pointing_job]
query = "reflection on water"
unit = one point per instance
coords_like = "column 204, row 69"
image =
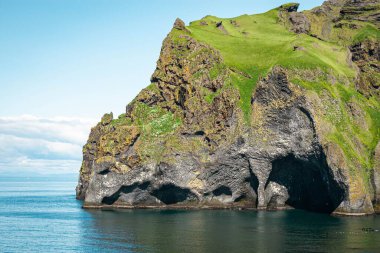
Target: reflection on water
column 234, row 231
column 45, row 217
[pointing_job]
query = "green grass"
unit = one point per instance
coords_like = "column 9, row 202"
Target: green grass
column 155, row 124
column 155, row 121
column 367, row 32
column 214, row 72
column 245, row 86
column 121, row 120
column 259, row 42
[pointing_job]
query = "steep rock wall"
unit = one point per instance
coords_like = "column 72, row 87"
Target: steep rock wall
column 185, row 142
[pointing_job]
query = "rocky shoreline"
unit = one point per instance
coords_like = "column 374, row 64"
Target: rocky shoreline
column 195, row 208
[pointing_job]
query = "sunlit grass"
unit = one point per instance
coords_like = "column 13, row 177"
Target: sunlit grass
column 256, row 43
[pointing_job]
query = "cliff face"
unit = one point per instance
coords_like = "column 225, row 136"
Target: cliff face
column 268, row 111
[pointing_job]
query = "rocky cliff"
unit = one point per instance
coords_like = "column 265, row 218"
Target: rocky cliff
column 270, row 111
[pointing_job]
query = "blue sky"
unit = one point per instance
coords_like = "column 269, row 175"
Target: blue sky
column 64, row 63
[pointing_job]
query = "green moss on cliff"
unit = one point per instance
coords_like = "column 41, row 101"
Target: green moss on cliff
column 367, row 32
column 354, row 119
column 154, row 121
column 121, row 120
column 245, row 86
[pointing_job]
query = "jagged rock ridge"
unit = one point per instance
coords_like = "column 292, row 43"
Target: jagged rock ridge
column 216, row 131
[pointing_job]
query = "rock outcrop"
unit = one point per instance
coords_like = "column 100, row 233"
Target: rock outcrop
column 362, row 10
column 366, row 55
column 197, row 137
column 297, row 21
column 179, row 24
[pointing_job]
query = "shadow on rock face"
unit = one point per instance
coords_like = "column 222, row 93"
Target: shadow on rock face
column 124, row 190
column 253, row 183
column 223, row 190
column 144, row 194
column 306, row 184
column 171, row 194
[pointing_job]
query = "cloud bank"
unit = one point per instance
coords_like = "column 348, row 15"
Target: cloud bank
column 30, row 144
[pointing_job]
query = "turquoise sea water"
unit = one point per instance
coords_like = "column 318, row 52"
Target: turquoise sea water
column 43, row 216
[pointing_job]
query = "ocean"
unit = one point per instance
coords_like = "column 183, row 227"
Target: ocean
column 42, row 215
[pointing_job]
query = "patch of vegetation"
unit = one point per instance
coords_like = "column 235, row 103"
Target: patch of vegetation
column 245, row 86
column 211, row 95
column 367, row 32
column 216, row 70
column 374, row 115
column 121, row 120
column 154, row 121
column 155, row 125
column 153, row 87
column 178, row 36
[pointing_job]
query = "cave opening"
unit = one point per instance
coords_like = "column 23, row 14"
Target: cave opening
column 309, row 183
column 110, row 200
column 172, row 194
column 222, row 190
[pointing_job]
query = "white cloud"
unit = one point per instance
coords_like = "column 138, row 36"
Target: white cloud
column 42, row 145
column 54, row 129
column 26, row 166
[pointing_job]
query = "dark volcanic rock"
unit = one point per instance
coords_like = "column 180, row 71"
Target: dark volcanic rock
column 220, row 26
column 366, row 55
column 299, row 22
column 179, row 24
column 296, row 21
column 291, row 7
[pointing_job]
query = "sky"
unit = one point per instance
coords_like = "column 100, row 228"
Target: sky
column 64, row 63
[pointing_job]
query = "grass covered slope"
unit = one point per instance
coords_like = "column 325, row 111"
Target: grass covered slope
column 253, row 44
